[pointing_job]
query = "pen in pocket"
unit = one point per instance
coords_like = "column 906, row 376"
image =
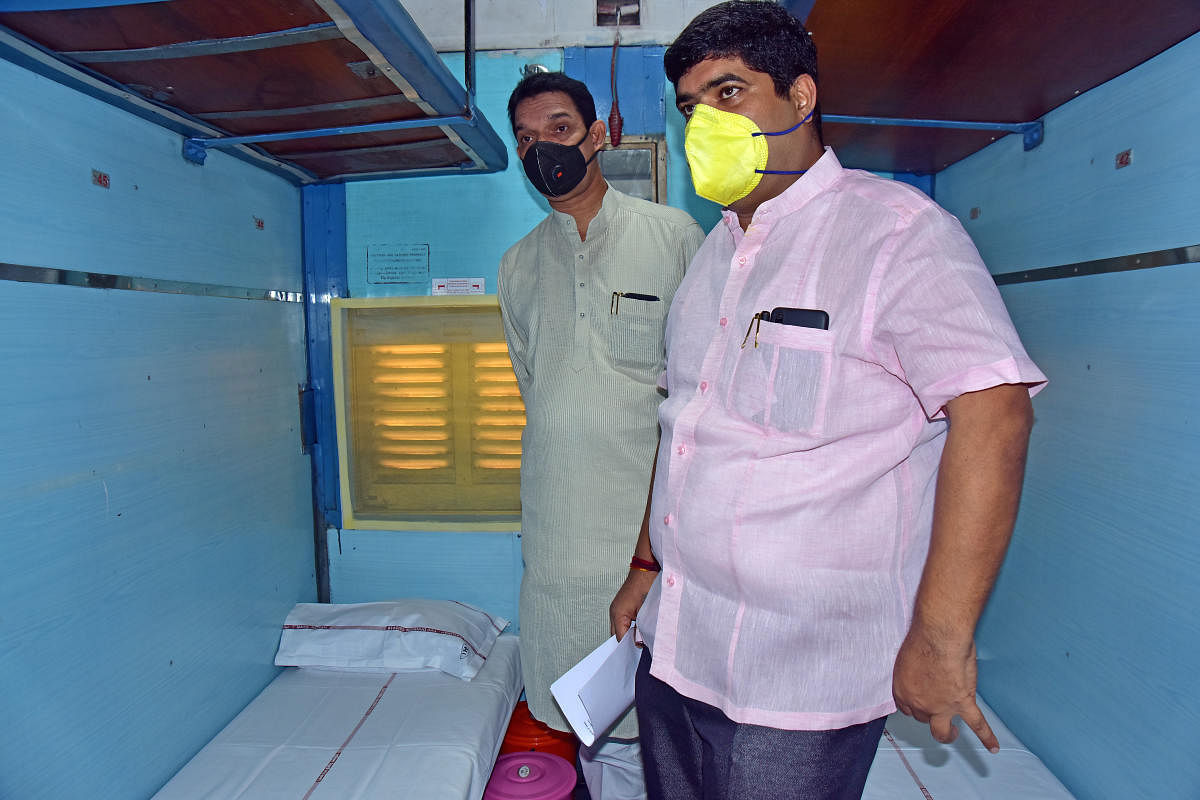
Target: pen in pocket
column 614, row 304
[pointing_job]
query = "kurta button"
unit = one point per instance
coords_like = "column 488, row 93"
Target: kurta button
column 703, row 386
column 581, row 286
column 741, row 259
column 582, row 315
column 724, row 321
column 667, row 519
column 671, row 580
column 682, row 449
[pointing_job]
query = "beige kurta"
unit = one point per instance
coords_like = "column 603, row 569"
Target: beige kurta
column 587, row 377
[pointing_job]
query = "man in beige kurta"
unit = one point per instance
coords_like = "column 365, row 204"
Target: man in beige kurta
column 584, row 297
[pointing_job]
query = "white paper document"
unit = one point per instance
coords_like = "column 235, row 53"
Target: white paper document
column 596, row 691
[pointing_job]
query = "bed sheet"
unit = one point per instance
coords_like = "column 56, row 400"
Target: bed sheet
column 336, row 735
column 910, row 763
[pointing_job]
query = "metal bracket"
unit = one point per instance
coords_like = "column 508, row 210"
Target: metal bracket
column 194, row 150
column 1033, row 133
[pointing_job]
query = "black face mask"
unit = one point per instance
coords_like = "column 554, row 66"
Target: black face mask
column 555, row 169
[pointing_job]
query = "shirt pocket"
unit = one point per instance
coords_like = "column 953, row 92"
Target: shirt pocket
column 783, row 383
column 634, row 336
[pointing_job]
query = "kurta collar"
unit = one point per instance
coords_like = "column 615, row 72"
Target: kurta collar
column 599, row 223
column 820, row 176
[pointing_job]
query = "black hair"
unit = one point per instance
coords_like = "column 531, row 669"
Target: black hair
column 764, row 35
column 541, row 82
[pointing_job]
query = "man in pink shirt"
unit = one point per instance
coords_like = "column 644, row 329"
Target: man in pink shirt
column 842, row 447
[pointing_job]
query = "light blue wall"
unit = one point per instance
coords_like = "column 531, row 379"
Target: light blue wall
column 155, row 508
column 468, row 221
column 1092, row 638
column 476, row 567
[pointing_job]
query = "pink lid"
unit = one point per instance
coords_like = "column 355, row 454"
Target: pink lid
column 531, row 776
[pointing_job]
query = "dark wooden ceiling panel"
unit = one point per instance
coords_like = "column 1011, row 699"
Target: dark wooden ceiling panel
column 994, row 61
column 1009, row 61
column 281, row 77
column 157, row 24
column 378, row 159
column 298, row 72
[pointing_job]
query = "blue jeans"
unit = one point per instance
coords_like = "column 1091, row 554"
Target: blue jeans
column 692, row 751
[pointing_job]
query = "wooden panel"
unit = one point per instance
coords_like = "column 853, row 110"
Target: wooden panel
column 1004, row 61
column 378, row 159
column 282, row 77
column 271, row 79
column 154, row 24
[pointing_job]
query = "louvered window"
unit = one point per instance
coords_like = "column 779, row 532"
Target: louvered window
column 430, row 417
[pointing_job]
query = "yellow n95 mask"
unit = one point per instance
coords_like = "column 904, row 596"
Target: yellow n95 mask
column 727, row 153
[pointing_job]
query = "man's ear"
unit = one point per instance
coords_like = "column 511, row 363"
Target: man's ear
column 597, row 132
column 803, row 94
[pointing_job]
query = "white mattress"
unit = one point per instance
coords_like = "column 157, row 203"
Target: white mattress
column 910, row 763
column 334, row 735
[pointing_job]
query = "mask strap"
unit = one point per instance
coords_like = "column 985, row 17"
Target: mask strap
column 595, row 152
column 781, row 133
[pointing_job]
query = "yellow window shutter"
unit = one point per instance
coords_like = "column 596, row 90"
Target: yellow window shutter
column 430, row 417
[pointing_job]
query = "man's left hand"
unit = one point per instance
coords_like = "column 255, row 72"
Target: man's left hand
column 934, row 681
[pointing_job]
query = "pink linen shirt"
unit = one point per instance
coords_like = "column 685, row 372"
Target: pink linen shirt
column 793, row 497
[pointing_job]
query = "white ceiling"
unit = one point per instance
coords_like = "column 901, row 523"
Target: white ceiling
column 519, row 24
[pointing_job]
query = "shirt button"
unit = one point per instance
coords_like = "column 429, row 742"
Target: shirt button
column 667, row 519
column 671, row 580
column 580, row 256
column 741, row 259
column 582, row 315
column 703, row 386
column 724, row 321
column 682, row 449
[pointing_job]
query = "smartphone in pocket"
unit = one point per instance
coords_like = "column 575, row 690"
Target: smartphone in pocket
column 801, row 317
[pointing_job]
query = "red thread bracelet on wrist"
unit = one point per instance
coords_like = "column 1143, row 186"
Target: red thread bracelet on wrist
column 644, row 565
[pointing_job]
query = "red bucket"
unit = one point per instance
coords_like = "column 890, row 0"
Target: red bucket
column 526, row 733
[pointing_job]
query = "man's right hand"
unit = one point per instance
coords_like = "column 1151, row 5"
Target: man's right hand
column 625, row 606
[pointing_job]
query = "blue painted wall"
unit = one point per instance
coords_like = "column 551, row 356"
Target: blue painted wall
column 468, row 221
column 155, row 508
column 1092, row 637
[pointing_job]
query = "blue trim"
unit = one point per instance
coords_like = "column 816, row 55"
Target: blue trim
column 1031, row 131
column 323, row 209
column 389, row 27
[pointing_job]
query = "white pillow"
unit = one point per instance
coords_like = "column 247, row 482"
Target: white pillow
column 395, row 635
